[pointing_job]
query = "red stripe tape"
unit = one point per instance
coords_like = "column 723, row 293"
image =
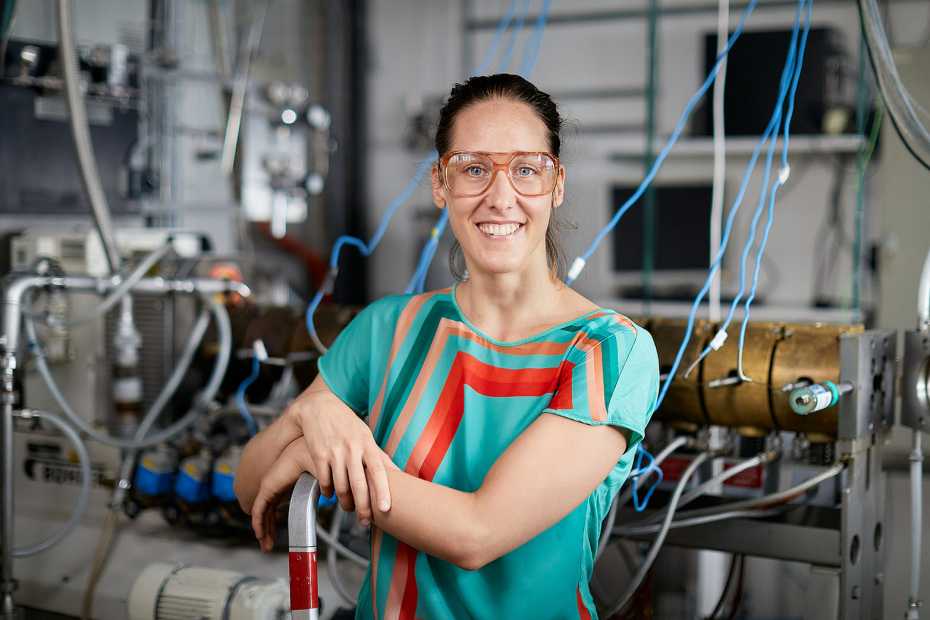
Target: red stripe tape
column 302, row 570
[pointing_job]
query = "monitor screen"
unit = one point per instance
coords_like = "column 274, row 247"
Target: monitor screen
column 682, row 228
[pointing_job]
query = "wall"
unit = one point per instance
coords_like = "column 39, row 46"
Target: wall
column 609, row 54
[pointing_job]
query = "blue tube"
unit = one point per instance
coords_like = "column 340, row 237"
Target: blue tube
column 512, row 43
column 531, row 55
column 788, row 71
column 241, row 402
column 676, row 134
column 779, row 182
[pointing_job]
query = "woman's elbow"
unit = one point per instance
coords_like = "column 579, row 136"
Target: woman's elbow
column 243, row 494
column 473, row 550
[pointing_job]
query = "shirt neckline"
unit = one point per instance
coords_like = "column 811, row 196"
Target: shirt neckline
column 513, row 343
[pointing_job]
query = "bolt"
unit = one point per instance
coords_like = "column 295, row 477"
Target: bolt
column 855, row 593
column 879, row 578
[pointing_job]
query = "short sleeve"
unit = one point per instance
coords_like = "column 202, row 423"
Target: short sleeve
column 614, row 380
column 346, row 366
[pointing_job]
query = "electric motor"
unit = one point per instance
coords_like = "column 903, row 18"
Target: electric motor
column 174, row 592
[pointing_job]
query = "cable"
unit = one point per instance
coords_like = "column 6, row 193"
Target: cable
column 781, row 180
column 660, row 539
column 624, row 497
column 80, row 131
column 241, row 402
column 864, row 158
column 104, row 546
column 531, row 55
column 342, row 549
column 768, row 137
column 502, row 26
column 221, row 318
column 331, row 555
column 580, row 262
column 720, row 157
column 640, row 504
column 517, row 28
column 762, row 458
column 897, row 99
column 80, row 506
column 726, row 587
column 641, row 530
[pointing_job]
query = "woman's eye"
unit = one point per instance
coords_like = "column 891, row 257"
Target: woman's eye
column 474, row 171
column 525, row 171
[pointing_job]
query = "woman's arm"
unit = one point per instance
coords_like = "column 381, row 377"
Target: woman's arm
column 551, row 467
column 339, row 451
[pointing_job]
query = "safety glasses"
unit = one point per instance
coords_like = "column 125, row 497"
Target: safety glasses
column 470, row 173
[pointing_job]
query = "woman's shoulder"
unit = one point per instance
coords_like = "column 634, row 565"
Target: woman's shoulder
column 391, row 307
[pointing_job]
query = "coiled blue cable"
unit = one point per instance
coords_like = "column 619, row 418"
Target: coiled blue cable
column 638, row 471
column 768, row 137
column 789, row 70
column 781, row 180
column 241, row 402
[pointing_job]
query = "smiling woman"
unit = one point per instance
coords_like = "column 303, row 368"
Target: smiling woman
column 482, row 430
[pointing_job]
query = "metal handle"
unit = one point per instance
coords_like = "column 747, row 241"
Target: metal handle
column 301, row 541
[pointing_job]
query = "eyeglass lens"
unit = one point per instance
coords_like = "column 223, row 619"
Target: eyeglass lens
column 531, row 174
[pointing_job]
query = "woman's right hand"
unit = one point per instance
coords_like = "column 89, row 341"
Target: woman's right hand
column 341, row 448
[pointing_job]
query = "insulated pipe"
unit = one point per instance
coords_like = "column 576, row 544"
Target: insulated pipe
column 14, row 293
column 90, row 175
column 720, row 158
column 923, row 296
column 917, row 460
column 898, row 101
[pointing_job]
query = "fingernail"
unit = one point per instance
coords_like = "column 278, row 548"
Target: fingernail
column 365, row 522
column 385, row 505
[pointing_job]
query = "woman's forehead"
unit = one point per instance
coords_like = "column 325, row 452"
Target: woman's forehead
column 499, row 125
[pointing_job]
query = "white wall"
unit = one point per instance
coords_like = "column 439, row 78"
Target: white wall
column 416, row 51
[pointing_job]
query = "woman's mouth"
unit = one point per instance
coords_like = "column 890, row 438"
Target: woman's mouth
column 499, row 231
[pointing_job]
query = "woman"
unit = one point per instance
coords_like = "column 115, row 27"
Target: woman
column 502, row 415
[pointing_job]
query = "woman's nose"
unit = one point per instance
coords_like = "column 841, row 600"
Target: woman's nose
column 501, row 194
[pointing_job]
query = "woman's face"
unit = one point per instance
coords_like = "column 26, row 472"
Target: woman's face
column 483, row 224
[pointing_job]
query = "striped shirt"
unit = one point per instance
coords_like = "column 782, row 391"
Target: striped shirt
column 445, row 401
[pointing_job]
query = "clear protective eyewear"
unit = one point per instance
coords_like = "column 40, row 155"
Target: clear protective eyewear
column 470, row 173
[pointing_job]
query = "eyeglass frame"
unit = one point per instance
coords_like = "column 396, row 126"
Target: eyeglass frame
column 444, row 161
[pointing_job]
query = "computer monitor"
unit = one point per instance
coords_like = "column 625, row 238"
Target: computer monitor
column 681, row 242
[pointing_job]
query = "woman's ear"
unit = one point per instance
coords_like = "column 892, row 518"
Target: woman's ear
column 558, row 195
column 439, row 198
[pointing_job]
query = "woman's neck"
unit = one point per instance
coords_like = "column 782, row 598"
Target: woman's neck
column 513, row 306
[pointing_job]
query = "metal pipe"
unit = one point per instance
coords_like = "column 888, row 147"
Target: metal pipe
column 917, row 459
column 90, row 175
column 15, row 292
column 240, row 87
column 923, row 296
column 7, row 583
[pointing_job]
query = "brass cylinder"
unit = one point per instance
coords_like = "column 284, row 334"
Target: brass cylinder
column 683, row 404
column 807, row 353
column 743, row 406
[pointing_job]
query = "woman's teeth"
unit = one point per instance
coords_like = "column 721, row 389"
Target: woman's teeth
column 499, row 230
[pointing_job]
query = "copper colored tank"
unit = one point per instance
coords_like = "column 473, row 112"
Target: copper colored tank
column 683, row 405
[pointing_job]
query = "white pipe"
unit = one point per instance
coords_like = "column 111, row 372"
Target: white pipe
column 80, row 506
column 90, row 175
column 923, row 296
column 720, row 163
column 917, row 459
column 660, row 538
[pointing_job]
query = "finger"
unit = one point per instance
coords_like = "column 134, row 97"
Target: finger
column 359, row 485
column 341, row 484
column 378, row 476
column 324, row 477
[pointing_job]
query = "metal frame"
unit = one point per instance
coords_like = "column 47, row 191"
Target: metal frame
column 849, row 539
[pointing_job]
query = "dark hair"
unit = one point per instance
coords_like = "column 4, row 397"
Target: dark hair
column 504, row 86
